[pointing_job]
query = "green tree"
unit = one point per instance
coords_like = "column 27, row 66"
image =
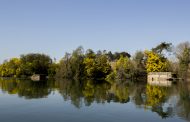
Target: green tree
column 71, row 66
column 96, row 67
column 139, row 64
column 122, row 69
column 10, row 68
column 77, row 66
column 52, row 70
column 162, row 47
column 64, row 68
column 117, row 55
column 183, row 55
column 35, row 64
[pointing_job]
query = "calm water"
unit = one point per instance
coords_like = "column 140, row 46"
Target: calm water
column 64, row 100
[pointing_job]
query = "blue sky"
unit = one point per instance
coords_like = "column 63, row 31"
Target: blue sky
column 56, row 26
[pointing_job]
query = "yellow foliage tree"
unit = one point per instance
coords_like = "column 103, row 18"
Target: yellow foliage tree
column 155, row 62
column 10, row 68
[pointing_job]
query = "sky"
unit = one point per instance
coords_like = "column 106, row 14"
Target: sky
column 54, row 27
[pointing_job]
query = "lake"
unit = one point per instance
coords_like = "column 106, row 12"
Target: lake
column 89, row 101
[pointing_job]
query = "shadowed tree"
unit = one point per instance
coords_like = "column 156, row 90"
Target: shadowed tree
column 162, row 47
column 183, row 55
column 35, row 64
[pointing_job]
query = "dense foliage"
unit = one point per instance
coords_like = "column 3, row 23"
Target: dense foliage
column 102, row 65
column 122, row 70
column 26, row 65
column 71, row 66
column 97, row 67
column 159, row 49
column 35, row 64
column 155, row 62
column 100, row 76
column 11, row 68
column 183, row 55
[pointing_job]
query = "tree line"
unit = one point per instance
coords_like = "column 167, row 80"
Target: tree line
column 102, row 65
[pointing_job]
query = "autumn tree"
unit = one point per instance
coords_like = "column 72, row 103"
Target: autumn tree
column 155, row 62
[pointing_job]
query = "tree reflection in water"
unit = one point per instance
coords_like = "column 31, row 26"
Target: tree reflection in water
column 183, row 106
column 84, row 93
column 26, row 88
column 91, row 91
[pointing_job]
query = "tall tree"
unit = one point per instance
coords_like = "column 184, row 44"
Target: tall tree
column 162, row 47
column 183, row 55
column 71, row 66
column 77, row 66
column 139, row 61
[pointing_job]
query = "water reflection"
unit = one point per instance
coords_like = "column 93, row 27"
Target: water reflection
column 89, row 92
column 167, row 83
column 165, row 101
column 156, row 97
column 183, row 105
column 27, row 89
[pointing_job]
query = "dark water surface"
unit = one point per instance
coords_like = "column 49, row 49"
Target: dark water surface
column 71, row 101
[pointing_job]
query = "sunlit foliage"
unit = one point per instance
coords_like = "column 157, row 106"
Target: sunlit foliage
column 97, row 67
column 155, row 62
column 11, row 68
column 122, row 69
